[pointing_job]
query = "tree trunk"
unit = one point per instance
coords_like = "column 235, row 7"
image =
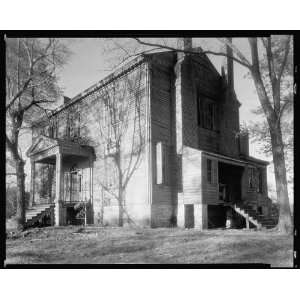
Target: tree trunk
column 21, row 206
column 121, row 208
column 285, row 219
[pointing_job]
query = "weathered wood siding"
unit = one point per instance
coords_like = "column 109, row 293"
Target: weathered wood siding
column 105, row 206
column 163, row 130
column 136, row 194
column 192, row 175
column 201, row 80
column 210, row 192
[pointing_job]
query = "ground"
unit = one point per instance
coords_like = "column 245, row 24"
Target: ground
column 96, row 245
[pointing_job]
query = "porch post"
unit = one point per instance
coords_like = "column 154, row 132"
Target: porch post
column 32, row 179
column 58, row 192
column 247, row 222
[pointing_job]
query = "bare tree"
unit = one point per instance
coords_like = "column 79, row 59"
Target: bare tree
column 31, row 89
column 267, row 72
column 121, row 126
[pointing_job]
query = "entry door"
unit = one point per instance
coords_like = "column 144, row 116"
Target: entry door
column 75, row 186
column 189, row 221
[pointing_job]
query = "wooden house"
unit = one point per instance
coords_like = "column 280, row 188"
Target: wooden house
column 194, row 168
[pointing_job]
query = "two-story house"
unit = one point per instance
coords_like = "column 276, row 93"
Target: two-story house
column 194, row 169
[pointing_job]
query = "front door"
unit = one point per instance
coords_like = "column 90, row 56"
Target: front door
column 72, row 186
column 75, row 186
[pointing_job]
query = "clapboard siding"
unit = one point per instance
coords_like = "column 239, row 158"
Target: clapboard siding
column 210, row 193
column 162, row 127
column 192, row 175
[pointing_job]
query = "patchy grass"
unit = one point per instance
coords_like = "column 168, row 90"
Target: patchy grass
column 94, row 245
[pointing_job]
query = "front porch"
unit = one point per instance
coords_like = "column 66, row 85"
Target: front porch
column 68, row 182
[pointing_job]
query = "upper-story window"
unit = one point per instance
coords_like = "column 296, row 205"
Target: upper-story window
column 207, row 116
column 53, row 128
column 73, row 125
column 251, row 178
column 209, row 119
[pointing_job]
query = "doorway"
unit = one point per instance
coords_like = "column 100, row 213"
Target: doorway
column 230, row 180
column 189, row 221
column 73, row 185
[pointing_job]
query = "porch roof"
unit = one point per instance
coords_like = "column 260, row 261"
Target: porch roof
column 241, row 161
column 46, row 148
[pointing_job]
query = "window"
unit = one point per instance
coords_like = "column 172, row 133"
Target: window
column 251, row 177
column 209, row 116
column 260, row 181
column 209, row 171
column 207, row 113
column 73, row 125
column 76, row 124
column 53, row 129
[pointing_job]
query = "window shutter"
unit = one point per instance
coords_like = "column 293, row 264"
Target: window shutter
column 159, row 163
column 166, row 178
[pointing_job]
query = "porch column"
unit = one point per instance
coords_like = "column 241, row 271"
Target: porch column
column 58, row 191
column 32, row 179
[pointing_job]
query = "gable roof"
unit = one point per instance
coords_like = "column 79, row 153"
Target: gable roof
column 42, row 143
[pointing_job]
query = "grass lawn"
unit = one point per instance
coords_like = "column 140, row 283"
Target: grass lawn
column 94, row 245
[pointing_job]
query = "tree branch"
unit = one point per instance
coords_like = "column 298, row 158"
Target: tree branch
column 260, row 88
column 286, row 53
column 243, row 63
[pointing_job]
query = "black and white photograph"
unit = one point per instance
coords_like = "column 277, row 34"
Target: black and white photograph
column 164, row 149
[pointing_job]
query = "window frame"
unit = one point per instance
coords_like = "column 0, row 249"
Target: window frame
column 251, row 179
column 209, row 169
column 207, row 113
column 162, row 169
column 260, row 181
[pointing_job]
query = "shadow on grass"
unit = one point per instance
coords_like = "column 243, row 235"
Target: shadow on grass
column 114, row 249
column 33, row 257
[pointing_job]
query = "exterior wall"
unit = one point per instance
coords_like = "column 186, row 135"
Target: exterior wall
column 192, row 188
column 210, row 190
column 163, row 198
column 147, row 202
column 199, row 79
column 105, row 206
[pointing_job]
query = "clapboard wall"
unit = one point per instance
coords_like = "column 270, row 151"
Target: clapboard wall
column 162, row 131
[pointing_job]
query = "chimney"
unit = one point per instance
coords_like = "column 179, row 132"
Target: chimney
column 185, row 43
column 244, row 144
column 230, row 66
column 66, row 99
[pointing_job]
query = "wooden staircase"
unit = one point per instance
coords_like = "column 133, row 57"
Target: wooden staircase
column 260, row 221
column 36, row 213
